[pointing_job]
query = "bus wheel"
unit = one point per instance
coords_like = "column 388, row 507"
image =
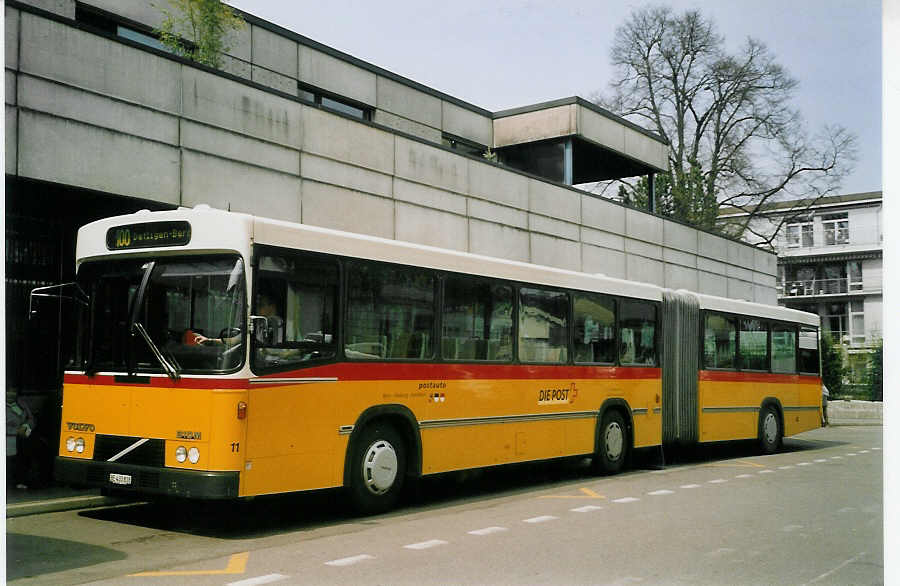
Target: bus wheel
column 613, row 445
column 378, row 469
column 770, row 432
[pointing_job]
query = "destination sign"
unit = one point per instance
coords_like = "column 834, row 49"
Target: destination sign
column 148, row 235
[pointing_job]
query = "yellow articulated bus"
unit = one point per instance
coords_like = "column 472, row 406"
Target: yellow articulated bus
column 221, row 355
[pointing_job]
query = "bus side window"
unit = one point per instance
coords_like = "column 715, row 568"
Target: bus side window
column 595, row 326
column 477, row 320
column 390, row 312
column 637, row 333
column 808, row 358
column 543, row 325
column 784, row 349
column 720, row 335
column 297, row 296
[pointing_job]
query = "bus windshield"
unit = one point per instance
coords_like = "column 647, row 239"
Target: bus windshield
column 177, row 314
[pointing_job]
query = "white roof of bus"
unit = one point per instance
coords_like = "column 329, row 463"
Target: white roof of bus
column 313, row 238
column 723, row 304
column 217, row 230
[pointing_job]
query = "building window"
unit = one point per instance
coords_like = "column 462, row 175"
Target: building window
column 854, row 271
column 857, row 323
column 799, row 234
column 836, row 228
column 466, row 147
column 335, row 104
column 835, row 321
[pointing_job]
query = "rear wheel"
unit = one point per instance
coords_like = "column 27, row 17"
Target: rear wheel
column 378, row 468
column 770, row 432
column 613, row 445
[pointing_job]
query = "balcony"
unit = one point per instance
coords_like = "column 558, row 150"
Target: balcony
column 817, row 287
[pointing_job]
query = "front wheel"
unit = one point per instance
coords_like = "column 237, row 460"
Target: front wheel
column 378, row 465
column 613, row 445
column 770, row 432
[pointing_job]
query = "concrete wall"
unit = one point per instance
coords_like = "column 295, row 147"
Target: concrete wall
column 92, row 112
column 280, row 62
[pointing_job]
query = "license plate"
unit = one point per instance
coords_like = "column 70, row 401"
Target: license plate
column 120, row 478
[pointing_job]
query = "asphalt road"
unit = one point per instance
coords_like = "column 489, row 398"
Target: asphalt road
column 811, row 514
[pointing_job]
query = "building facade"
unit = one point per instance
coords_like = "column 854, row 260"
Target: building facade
column 101, row 120
column 830, row 263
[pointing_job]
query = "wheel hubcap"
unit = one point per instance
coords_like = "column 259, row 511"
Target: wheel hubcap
column 615, row 439
column 379, row 467
column 770, row 428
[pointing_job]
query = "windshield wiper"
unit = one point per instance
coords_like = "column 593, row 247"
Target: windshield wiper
column 170, row 369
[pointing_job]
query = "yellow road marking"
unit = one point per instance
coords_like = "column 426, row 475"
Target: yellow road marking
column 588, row 493
column 236, row 565
column 737, row 464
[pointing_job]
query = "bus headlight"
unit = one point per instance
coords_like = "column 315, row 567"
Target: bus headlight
column 194, row 455
column 79, row 445
column 180, row 454
column 70, row 444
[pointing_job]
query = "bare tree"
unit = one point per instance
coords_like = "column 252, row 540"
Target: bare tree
column 735, row 139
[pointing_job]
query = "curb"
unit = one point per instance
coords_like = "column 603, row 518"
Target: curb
column 60, row 504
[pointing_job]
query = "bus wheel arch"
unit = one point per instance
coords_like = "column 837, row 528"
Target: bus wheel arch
column 770, row 425
column 385, row 434
column 614, row 436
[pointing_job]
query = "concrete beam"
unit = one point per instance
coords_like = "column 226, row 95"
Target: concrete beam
column 74, row 153
column 227, row 184
column 335, row 75
column 63, row 53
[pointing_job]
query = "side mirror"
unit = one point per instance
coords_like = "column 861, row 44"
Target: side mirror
column 258, row 321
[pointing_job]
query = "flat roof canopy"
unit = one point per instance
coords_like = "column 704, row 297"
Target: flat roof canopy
column 604, row 146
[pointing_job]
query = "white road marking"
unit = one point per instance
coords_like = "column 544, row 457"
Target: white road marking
column 487, row 530
column 790, row 528
column 267, row 579
column 350, row 560
column 717, row 481
column 785, row 467
column 586, row 509
column 660, row 492
column 832, row 571
column 426, row 544
column 852, row 454
column 804, row 464
column 744, row 476
column 627, row 499
column 863, row 452
column 837, row 457
column 876, row 449
column 690, row 486
column 767, row 471
column 820, row 460
column 541, row 519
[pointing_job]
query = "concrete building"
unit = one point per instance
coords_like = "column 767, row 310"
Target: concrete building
column 830, row 263
column 100, row 120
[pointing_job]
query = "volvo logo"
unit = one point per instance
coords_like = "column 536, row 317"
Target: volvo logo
column 72, row 426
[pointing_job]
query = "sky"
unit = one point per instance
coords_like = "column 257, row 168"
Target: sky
column 507, row 53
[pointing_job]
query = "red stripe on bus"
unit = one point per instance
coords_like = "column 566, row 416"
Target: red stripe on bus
column 157, row 382
column 456, row 371
column 358, row 371
column 730, row 376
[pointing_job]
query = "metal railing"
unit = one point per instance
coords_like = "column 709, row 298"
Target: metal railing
column 813, row 287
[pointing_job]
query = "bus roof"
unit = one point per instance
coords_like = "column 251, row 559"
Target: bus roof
column 215, row 230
